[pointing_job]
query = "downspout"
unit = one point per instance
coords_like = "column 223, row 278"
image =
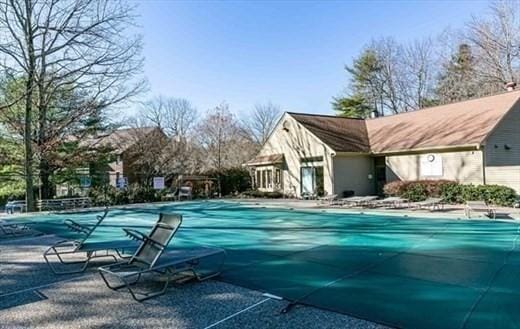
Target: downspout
column 332, row 176
column 483, row 149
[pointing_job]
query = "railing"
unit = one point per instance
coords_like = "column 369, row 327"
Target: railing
column 62, row 204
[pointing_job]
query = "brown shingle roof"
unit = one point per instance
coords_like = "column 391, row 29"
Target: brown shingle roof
column 456, row 124
column 121, row 139
column 339, row 133
column 266, row 159
column 452, row 125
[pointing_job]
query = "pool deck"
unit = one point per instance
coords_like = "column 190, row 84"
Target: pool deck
column 32, row 297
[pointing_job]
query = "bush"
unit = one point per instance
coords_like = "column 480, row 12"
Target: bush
column 261, row 194
column 416, row 190
column 232, row 180
column 451, row 192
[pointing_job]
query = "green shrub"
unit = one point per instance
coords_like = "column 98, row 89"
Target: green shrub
column 416, row 190
column 451, row 192
column 261, row 194
column 232, row 180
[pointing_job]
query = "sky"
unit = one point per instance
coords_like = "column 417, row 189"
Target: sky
column 290, row 53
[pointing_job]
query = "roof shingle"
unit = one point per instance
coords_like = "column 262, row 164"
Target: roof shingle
column 453, row 125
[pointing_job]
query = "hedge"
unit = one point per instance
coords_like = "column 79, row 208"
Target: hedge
column 451, row 191
column 132, row 194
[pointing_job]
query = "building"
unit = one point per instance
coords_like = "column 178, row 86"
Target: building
column 126, row 144
column 123, row 146
column 475, row 141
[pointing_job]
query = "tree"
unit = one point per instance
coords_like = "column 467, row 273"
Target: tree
column 355, row 106
column 176, row 116
column 81, row 48
column 262, row 121
column 496, row 41
column 458, row 80
column 389, row 78
column 224, row 141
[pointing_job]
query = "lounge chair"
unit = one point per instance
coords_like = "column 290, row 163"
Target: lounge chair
column 14, row 228
column 91, row 249
column 153, row 259
column 434, row 203
column 359, row 201
column 11, row 206
column 479, row 207
column 392, row 201
column 327, row 199
column 185, row 192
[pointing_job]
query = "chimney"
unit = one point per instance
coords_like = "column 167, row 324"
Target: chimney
column 510, row 86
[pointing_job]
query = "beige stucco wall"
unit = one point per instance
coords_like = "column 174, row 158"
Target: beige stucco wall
column 295, row 144
column 462, row 166
column 502, row 164
column 351, row 172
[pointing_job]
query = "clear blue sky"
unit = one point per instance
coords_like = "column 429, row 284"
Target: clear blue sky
column 291, row 53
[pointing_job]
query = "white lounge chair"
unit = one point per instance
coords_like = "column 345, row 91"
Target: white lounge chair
column 327, row 199
column 434, row 203
column 359, row 201
column 185, row 192
column 479, row 207
column 393, row 201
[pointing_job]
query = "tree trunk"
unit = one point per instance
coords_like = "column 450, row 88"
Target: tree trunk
column 46, row 190
column 29, row 189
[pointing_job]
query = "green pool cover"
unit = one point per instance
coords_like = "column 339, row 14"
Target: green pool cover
column 399, row 271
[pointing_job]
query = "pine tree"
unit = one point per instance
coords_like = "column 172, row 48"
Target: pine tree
column 458, row 81
column 365, row 88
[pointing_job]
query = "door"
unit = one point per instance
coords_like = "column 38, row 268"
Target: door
column 380, row 173
column 307, row 180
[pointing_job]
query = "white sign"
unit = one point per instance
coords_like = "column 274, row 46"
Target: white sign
column 158, row 183
column 122, row 182
column 431, row 165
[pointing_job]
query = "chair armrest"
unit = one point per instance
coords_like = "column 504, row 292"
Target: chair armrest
column 77, row 227
column 134, row 234
column 139, row 236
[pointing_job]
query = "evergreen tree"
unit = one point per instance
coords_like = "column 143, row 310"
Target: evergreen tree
column 355, row 106
column 458, row 80
column 365, row 86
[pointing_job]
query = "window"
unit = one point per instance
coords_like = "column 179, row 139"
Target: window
column 269, row 178
column 258, row 179
column 264, row 180
column 277, row 177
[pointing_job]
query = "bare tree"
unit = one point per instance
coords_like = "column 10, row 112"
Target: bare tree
column 419, row 74
column 176, row 116
column 223, row 140
column 75, row 47
column 496, row 41
column 262, row 120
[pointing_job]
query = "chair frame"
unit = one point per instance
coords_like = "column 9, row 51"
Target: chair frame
column 130, row 273
column 75, row 247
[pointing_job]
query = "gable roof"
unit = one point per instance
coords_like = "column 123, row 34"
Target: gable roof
column 339, row 133
column 457, row 124
column 466, row 123
column 121, row 139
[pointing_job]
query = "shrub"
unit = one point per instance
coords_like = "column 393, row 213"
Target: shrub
column 232, row 180
column 416, row 190
column 261, row 194
column 451, row 192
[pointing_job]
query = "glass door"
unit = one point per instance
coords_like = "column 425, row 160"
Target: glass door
column 307, row 180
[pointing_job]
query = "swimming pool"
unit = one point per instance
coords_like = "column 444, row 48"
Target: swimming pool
column 403, row 272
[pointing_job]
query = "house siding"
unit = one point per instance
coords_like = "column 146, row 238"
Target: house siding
column 502, row 164
column 354, row 173
column 462, row 166
column 295, row 144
